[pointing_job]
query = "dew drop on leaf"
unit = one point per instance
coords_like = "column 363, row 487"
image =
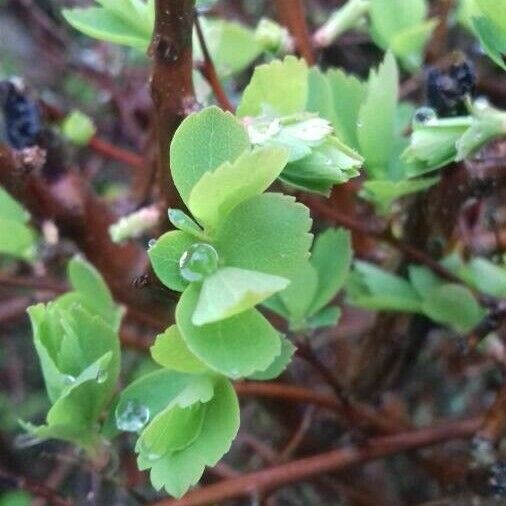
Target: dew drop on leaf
column 68, row 379
column 151, row 243
column 481, row 103
column 198, row 261
column 132, row 417
column 424, row 115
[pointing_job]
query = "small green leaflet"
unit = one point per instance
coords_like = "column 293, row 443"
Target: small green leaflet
column 453, row 305
column 170, row 351
column 126, row 22
column 177, row 471
column 235, row 347
column 232, row 183
column 78, row 128
column 17, row 239
column 279, row 365
column 230, row 291
column 165, row 255
column 491, row 29
column 276, row 89
column 204, row 141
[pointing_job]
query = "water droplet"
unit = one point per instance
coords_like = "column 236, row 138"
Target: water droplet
column 102, row 376
column 151, row 243
column 26, row 441
column 424, row 115
column 147, row 453
column 198, row 261
column 359, row 124
column 68, row 379
column 132, row 417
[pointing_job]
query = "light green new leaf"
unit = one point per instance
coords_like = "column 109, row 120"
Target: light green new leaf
column 331, row 257
column 327, row 317
column 178, row 471
column 486, row 276
column 86, row 280
column 103, row 24
column 491, row 29
column 235, row 347
column 11, row 209
column 230, row 291
column 384, row 193
column 373, row 288
column 16, row 239
column 349, row 93
column 184, row 223
column 376, row 119
column 165, row 256
column 204, row 141
column 232, row 183
column 279, row 365
column 279, row 88
column 170, row 351
column 268, row 233
column 172, row 430
column 423, row 280
column 453, row 305
column 320, row 98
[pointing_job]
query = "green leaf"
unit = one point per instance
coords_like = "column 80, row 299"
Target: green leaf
column 170, row 351
column 373, row 288
column 16, row 239
column 327, row 317
column 320, row 99
column 331, row 257
column 230, row 291
column 15, row 499
column 349, row 93
column 86, row 280
column 384, row 193
column 277, row 88
column 453, row 305
column 235, row 347
column 223, row 39
column 11, row 209
column 78, row 128
column 279, row 365
column 491, row 30
column 376, row 119
column 423, row 280
column 204, row 141
column 178, row 471
column 299, row 295
column 268, row 233
column 172, row 430
column 330, row 163
column 103, row 24
column 165, row 255
column 184, row 223
column 232, row 183
column 486, row 276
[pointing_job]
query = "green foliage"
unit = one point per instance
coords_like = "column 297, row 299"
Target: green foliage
column 17, row 239
column 15, row 499
column 304, row 303
column 490, row 26
column 78, row 128
column 401, row 26
column 446, row 303
column 80, row 371
column 126, row 22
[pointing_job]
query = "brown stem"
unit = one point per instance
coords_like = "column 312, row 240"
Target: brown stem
column 171, row 79
column 208, row 70
column 113, row 152
column 292, row 14
column 293, row 472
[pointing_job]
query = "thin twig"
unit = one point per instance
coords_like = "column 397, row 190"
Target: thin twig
column 296, row 471
column 113, row 152
column 208, row 70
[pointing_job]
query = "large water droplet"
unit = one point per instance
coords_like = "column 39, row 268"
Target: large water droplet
column 481, row 103
column 151, row 243
column 68, row 380
column 132, row 417
column 198, row 261
column 424, row 115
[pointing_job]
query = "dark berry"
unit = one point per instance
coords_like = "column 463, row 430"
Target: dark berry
column 21, row 116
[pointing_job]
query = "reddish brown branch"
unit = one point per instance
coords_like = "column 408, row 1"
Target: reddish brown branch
column 208, row 70
column 113, row 152
column 337, row 460
column 292, row 14
column 171, row 80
